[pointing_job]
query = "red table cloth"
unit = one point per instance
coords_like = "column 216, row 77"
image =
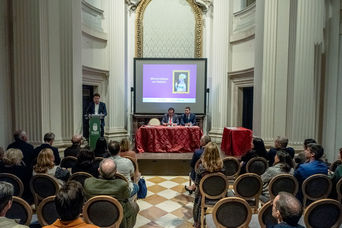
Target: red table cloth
column 236, row 141
column 167, row 139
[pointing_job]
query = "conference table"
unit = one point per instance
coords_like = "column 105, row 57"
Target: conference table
column 163, row 139
column 236, row 141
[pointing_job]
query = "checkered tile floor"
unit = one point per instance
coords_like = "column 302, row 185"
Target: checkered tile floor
column 167, row 204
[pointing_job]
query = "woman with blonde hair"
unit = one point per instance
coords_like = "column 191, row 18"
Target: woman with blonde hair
column 12, row 163
column 46, row 165
column 210, row 162
column 125, row 149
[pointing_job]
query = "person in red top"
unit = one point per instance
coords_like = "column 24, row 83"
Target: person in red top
column 69, row 202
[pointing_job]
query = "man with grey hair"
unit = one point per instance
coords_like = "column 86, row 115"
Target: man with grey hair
column 74, row 149
column 280, row 143
column 20, row 142
column 108, row 184
column 6, row 194
column 49, row 138
column 287, row 210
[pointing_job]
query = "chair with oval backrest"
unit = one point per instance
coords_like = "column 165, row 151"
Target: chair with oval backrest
column 42, row 186
column 213, row 187
column 283, row 183
column 120, row 176
column 103, row 211
column 135, row 178
column 154, row 122
column 47, row 212
column 324, row 213
column 249, row 186
column 257, row 165
column 231, row 168
column 265, row 215
column 316, row 187
column 80, row 177
column 21, row 210
column 339, row 190
column 68, row 162
column 15, row 181
column 232, row 212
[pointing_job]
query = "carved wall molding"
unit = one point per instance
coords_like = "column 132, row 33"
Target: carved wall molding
column 204, row 4
column 133, row 4
column 139, row 27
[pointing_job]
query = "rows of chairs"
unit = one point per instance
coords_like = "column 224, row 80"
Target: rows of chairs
column 236, row 212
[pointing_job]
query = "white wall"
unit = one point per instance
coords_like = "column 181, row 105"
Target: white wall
column 5, row 85
column 243, row 55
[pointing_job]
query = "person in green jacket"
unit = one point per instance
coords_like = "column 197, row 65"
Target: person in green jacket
column 117, row 188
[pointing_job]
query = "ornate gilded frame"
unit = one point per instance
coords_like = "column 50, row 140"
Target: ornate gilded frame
column 139, row 28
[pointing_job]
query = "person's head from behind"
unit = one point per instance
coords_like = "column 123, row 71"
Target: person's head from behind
column 307, row 142
column 187, row 110
column 85, row 155
column 107, row 168
column 49, row 138
column 287, row 208
column 285, row 159
column 69, row 201
column 205, row 139
column 45, row 161
column 258, row 145
column 20, row 135
column 101, row 145
column 314, row 151
column 6, row 194
column 96, row 98
column 171, row 111
column 13, row 157
column 114, row 148
column 76, row 139
column 281, row 142
column 125, row 145
column 211, row 159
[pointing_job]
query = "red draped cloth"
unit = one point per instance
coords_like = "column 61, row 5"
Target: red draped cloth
column 236, row 141
column 167, row 139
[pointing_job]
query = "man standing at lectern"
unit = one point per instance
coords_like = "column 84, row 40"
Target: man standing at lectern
column 96, row 107
column 170, row 119
column 188, row 118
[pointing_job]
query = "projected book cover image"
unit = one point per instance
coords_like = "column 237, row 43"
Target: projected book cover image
column 181, row 81
column 169, row 83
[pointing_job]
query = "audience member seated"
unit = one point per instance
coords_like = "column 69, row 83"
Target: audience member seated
column 280, row 143
column 101, row 149
column 85, row 163
column 125, row 149
column 258, row 150
column 124, row 165
column 107, row 184
column 45, row 165
column 211, row 162
column 6, row 194
column 283, row 163
column 313, row 153
column 170, row 118
column 13, row 163
column 69, row 202
column 336, row 176
column 49, row 138
column 300, row 157
column 20, row 142
column 205, row 139
column 287, row 210
column 188, row 118
column 74, row 149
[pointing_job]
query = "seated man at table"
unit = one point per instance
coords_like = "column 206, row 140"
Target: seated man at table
column 170, row 119
column 188, row 118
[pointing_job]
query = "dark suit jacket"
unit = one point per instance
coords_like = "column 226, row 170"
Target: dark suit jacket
column 195, row 157
column 73, row 150
column 175, row 119
column 26, row 149
column 54, row 149
column 102, row 110
column 185, row 119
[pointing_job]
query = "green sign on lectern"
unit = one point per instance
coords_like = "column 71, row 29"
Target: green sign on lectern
column 94, row 130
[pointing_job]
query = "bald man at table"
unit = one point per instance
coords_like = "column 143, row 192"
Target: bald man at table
column 170, row 118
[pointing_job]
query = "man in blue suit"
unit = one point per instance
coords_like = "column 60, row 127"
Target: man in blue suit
column 188, row 118
column 97, row 107
column 170, row 119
